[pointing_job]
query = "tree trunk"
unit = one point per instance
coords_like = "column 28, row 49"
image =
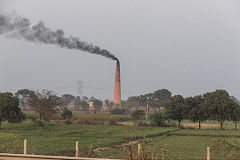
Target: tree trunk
column 40, row 117
column 221, row 123
column 199, row 124
column 179, row 123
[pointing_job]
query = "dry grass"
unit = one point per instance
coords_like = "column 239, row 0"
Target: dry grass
column 195, row 125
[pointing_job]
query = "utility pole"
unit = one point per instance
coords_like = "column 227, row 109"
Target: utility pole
column 79, row 88
column 147, row 112
column 147, row 109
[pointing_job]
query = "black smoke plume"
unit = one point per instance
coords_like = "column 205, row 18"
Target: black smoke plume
column 40, row 33
column 12, row 22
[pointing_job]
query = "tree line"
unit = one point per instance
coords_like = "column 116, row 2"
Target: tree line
column 216, row 105
column 155, row 99
column 78, row 103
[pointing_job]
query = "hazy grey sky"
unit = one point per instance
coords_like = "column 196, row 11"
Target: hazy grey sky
column 186, row 46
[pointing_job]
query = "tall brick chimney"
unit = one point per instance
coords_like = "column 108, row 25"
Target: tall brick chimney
column 117, row 88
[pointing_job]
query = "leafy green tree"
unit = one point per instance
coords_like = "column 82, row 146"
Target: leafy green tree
column 67, row 99
column 155, row 99
column 158, row 118
column 194, row 110
column 85, row 105
column 83, row 102
column 235, row 113
column 9, row 110
column 160, row 98
column 85, row 98
column 133, row 101
column 218, row 105
column 66, row 114
column 138, row 115
column 235, row 99
column 23, row 95
column 175, row 108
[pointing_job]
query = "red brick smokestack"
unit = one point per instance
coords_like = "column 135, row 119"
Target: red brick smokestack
column 117, row 88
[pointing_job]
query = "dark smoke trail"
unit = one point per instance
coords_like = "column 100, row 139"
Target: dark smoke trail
column 9, row 23
column 40, row 33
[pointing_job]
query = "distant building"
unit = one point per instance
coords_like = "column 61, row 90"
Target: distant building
column 91, row 106
column 105, row 108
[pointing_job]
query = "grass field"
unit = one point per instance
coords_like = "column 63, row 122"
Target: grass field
column 57, row 138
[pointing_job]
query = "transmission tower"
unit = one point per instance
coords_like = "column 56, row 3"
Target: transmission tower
column 79, row 88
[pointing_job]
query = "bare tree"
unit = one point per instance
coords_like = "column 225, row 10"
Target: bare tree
column 44, row 103
column 23, row 96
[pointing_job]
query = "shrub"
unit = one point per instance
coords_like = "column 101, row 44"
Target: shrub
column 66, row 114
column 37, row 123
column 119, row 111
column 158, row 119
column 67, row 121
column 89, row 121
column 122, row 119
column 170, row 123
column 143, row 124
column 9, row 110
column 138, row 114
column 112, row 121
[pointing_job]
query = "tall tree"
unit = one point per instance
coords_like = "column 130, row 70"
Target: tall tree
column 44, row 103
column 133, row 101
column 194, row 110
column 83, row 102
column 217, row 104
column 161, row 97
column 67, row 99
column 23, row 95
column 155, row 99
column 175, row 108
column 9, row 110
column 234, row 113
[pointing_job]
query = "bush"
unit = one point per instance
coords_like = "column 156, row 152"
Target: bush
column 138, row 114
column 112, row 121
column 158, row 119
column 66, row 114
column 68, row 121
column 89, row 121
column 119, row 111
column 122, row 119
column 143, row 124
column 16, row 117
column 37, row 123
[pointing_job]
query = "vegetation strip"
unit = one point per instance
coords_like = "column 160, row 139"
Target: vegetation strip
column 49, row 157
column 204, row 135
column 137, row 140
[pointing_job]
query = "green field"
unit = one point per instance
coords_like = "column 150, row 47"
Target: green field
column 57, row 138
